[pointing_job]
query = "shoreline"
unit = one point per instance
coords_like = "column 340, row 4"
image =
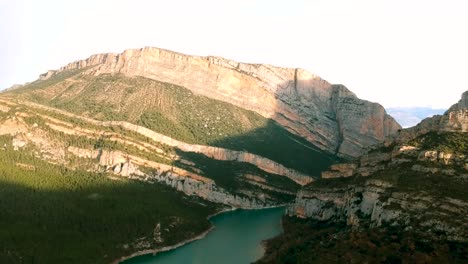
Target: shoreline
column 264, row 243
column 189, row 240
column 163, row 249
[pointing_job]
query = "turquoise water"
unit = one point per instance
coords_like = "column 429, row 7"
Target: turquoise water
column 236, row 239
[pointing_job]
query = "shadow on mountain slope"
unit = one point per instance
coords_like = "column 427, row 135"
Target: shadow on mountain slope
column 52, row 215
column 278, row 144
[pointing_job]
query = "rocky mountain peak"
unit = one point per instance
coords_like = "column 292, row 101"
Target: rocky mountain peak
column 461, row 105
column 329, row 116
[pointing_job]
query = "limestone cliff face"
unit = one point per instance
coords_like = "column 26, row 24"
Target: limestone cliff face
column 210, row 191
column 374, row 204
column 184, row 181
column 360, row 123
column 125, row 165
column 329, row 116
column 339, row 204
column 458, row 115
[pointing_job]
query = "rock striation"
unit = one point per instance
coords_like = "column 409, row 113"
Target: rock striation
column 210, row 191
column 77, row 142
column 125, row 165
column 329, row 116
column 217, row 153
column 373, row 204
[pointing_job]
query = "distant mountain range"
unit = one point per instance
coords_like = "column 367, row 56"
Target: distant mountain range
column 411, row 116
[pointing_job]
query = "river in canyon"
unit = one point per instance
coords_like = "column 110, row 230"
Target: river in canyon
column 236, row 238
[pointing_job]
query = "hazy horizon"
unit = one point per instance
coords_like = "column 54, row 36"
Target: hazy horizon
column 399, row 53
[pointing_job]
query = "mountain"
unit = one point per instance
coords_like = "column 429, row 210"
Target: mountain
column 130, row 152
column 404, row 201
column 411, row 116
column 328, row 116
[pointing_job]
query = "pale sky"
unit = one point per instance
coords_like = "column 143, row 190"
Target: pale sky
column 395, row 52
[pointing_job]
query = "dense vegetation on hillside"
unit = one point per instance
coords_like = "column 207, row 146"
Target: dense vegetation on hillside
column 176, row 112
column 450, row 142
column 51, row 214
column 404, row 179
column 306, row 241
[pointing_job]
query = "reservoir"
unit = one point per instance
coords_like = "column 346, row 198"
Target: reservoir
column 236, row 239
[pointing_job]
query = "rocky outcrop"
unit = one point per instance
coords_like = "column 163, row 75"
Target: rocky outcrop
column 210, row 191
column 360, row 123
column 125, row 165
column 47, row 75
column 373, row 204
column 445, row 158
column 340, row 170
column 4, row 108
column 83, row 153
column 455, row 119
column 12, row 126
column 458, row 120
column 18, row 143
column 339, row 204
column 329, row 116
column 371, row 163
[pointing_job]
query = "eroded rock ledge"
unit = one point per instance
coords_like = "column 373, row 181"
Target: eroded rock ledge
column 211, row 152
column 125, row 165
column 375, row 204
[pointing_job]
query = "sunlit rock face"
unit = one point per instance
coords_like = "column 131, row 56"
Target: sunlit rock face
column 329, row 116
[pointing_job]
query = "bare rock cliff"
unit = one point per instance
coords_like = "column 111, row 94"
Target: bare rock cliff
column 329, row 116
column 374, row 204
